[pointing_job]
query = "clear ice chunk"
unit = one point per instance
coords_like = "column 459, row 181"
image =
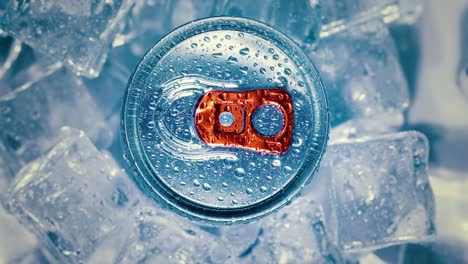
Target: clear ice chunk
column 3, row 5
column 462, row 69
column 157, row 236
column 31, row 117
column 72, row 198
column 77, row 33
column 380, row 193
column 108, row 89
column 367, row 91
column 371, row 259
column 17, row 240
column 298, row 19
column 35, row 256
column 295, row 234
column 450, row 197
column 20, row 66
column 86, row 209
column 462, row 79
column 338, row 15
column 151, row 20
column 307, row 21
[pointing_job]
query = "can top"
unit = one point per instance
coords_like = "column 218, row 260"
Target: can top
column 225, row 120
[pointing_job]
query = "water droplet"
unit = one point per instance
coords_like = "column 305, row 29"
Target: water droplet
column 239, row 173
column 263, row 189
column 262, row 70
column 226, row 119
column 276, row 163
column 300, row 83
column 244, row 70
column 287, row 71
column 241, row 35
column 225, row 185
column 206, row 39
column 228, row 37
column 176, row 169
column 249, row 191
column 271, row 50
column 194, row 45
column 206, row 186
column 276, row 57
column 244, row 51
column 220, row 198
column 60, row 215
column 232, row 60
column 234, row 201
column 219, row 45
column 182, row 183
column 217, row 54
column 269, row 178
column 196, row 183
column 283, row 81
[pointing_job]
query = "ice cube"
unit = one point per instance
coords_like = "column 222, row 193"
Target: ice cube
column 338, row 15
column 298, row 233
column 31, row 117
column 186, row 11
column 20, row 66
column 247, row 242
column 297, row 19
column 380, row 193
column 295, row 234
column 150, row 20
column 35, row 256
column 9, row 51
column 367, row 91
column 462, row 79
column 86, row 209
column 157, row 236
column 3, row 5
column 462, row 69
column 73, row 198
column 77, row 33
column 451, row 215
column 17, row 240
column 108, row 89
column 371, row 259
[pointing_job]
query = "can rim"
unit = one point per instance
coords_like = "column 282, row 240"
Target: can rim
column 139, row 164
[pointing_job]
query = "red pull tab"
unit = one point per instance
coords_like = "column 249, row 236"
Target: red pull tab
column 242, row 105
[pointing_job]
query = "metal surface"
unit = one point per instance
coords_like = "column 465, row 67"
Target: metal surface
column 252, row 154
